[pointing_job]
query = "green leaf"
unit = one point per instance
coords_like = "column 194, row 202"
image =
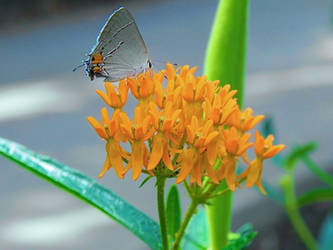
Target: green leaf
column 86, row 189
column 242, row 239
column 325, row 238
column 173, row 211
column 315, row 195
column 297, row 153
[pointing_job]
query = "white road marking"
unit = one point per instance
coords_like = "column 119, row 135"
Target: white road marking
column 24, row 100
column 50, row 229
column 286, row 80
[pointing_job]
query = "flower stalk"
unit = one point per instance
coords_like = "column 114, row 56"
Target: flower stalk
column 160, row 184
column 189, row 213
column 288, row 187
column 199, row 196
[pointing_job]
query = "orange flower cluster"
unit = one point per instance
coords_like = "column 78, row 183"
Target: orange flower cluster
column 189, row 128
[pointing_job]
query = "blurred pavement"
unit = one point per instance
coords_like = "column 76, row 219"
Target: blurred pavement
column 43, row 106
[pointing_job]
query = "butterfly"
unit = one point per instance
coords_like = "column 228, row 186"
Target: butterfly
column 120, row 50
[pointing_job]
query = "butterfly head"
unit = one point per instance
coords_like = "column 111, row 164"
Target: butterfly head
column 93, row 66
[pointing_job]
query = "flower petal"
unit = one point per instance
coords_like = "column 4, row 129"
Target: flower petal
column 106, row 167
column 98, row 127
column 105, row 98
column 137, row 158
column 273, row 151
column 114, row 154
column 157, row 151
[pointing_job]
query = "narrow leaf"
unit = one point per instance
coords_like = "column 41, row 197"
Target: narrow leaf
column 86, row 189
column 297, row 153
column 315, row 195
column 173, row 211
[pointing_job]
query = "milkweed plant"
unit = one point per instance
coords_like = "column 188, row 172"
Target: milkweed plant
column 187, row 128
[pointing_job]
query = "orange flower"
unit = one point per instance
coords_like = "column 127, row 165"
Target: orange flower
column 137, row 132
column 244, row 121
column 227, row 171
column 194, row 92
column 163, row 123
column 235, row 143
column 264, row 149
column 107, row 130
column 249, row 121
column 225, row 93
column 181, row 127
column 201, row 154
column 143, row 87
column 221, row 108
column 111, row 97
column 253, row 174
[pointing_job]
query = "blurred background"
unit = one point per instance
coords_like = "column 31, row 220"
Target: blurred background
column 43, row 105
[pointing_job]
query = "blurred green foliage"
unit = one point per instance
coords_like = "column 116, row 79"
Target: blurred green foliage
column 299, row 156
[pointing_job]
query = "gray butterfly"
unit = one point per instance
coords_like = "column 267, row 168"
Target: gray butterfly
column 120, row 51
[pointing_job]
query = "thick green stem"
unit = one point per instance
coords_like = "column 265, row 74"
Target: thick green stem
column 189, row 213
column 160, row 182
column 226, row 51
column 219, row 213
column 287, row 184
column 225, row 61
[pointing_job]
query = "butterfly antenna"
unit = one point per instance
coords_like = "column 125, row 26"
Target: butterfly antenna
column 159, row 63
column 79, row 66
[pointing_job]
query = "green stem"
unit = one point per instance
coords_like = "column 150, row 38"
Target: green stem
column 160, row 181
column 219, row 213
column 226, row 51
column 208, row 194
column 287, row 184
column 189, row 213
column 188, row 189
column 224, row 191
column 225, row 61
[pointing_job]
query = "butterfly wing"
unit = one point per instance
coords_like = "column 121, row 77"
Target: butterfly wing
column 121, row 46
